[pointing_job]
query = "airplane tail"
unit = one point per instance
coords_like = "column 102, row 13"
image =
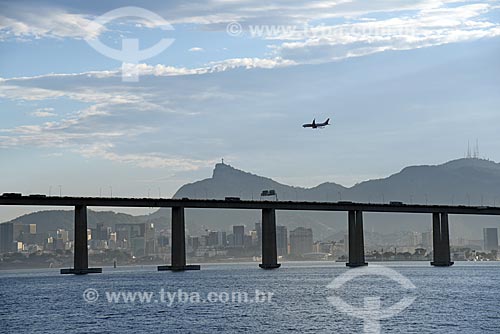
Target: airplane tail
column 327, row 121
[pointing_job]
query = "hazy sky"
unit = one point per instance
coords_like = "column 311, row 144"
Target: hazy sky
column 404, row 82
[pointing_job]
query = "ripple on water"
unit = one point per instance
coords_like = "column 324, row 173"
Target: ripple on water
column 461, row 299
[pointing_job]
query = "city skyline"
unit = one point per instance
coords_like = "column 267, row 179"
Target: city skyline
column 136, row 242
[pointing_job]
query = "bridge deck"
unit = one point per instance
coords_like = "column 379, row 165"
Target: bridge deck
column 245, row 204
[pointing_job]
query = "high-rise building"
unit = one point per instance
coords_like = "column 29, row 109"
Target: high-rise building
column 221, row 239
column 217, row 239
column 327, row 247
column 163, row 241
column 427, row 239
column 18, row 230
column 112, row 240
column 100, row 232
column 212, row 238
column 258, row 229
column 58, row 244
column 134, row 237
column 247, row 240
column 282, row 240
column 239, row 236
column 194, row 243
column 414, row 239
column 6, row 237
column 203, row 241
column 63, row 235
column 301, row 241
column 26, row 233
column 490, row 239
column 32, row 228
column 149, row 239
column 255, row 239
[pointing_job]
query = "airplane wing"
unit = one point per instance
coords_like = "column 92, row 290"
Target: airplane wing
column 325, row 123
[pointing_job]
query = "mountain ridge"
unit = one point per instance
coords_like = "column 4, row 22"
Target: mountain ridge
column 460, row 181
column 419, row 184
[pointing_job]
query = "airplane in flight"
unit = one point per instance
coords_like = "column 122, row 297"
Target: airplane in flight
column 315, row 125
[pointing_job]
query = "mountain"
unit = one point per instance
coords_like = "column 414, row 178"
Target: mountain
column 462, row 181
column 51, row 220
column 229, row 181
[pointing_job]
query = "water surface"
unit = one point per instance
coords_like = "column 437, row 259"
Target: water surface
column 462, row 299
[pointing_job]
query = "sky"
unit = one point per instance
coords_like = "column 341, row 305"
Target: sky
column 82, row 113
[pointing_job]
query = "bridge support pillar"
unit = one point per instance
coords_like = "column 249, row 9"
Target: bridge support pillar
column 356, row 240
column 178, row 246
column 81, row 260
column 269, row 248
column 441, row 240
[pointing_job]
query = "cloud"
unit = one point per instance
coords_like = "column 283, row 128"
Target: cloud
column 425, row 28
column 297, row 31
column 211, row 67
column 44, row 112
column 9, row 89
column 290, row 12
column 118, row 117
column 145, row 160
column 46, row 22
column 60, row 19
column 185, row 122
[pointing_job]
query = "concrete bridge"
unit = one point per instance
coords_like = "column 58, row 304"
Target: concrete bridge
column 439, row 213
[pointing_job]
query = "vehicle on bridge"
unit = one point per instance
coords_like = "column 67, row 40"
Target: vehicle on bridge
column 37, row 196
column 267, row 193
column 315, row 125
column 232, row 199
column 12, row 195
